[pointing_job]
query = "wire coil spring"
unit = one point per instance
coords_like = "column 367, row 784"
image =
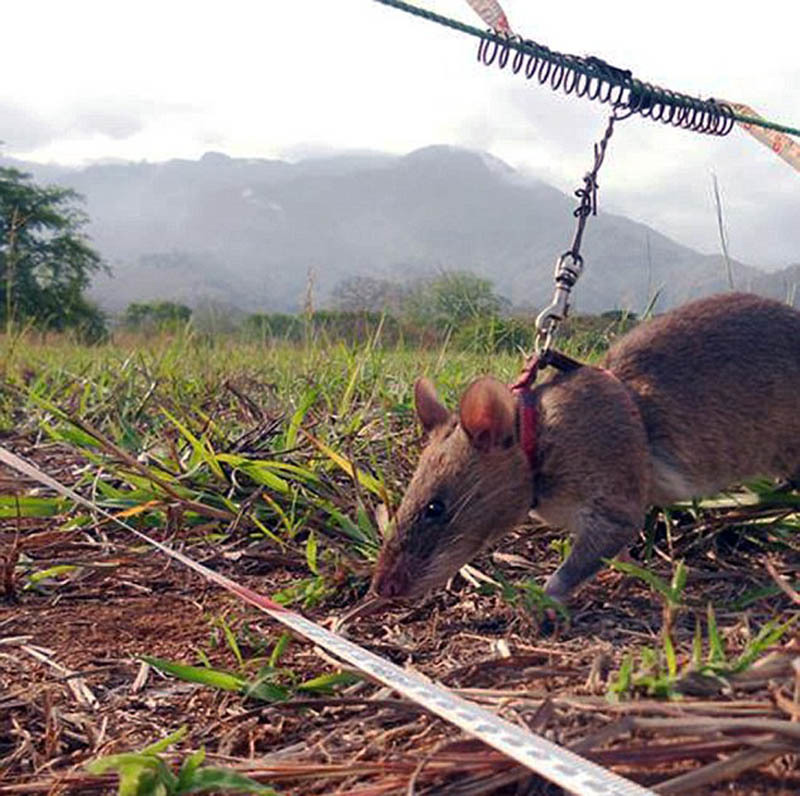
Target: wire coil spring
column 595, row 79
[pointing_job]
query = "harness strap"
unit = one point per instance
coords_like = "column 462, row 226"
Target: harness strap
column 528, row 415
column 528, row 423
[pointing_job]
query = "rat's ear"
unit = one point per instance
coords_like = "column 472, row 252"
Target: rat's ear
column 488, row 413
column 431, row 413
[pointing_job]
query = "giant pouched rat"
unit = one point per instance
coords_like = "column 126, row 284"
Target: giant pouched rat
column 685, row 405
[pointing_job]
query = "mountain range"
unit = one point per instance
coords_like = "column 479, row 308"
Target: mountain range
column 245, row 232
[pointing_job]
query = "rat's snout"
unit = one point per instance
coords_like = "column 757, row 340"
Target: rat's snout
column 395, row 587
column 391, row 583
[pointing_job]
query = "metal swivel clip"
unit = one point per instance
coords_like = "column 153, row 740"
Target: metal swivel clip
column 569, row 267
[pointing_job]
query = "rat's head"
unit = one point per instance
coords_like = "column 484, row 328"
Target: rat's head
column 471, row 486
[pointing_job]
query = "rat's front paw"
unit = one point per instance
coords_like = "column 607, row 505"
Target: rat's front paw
column 556, row 589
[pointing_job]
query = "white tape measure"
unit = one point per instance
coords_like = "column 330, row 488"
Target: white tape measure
column 557, row 764
column 781, row 144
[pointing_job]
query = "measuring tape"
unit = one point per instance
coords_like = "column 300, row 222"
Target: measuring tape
column 781, row 144
column 491, row 12
column 557, row 764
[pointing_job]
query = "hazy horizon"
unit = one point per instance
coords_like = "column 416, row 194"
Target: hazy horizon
column 246, row 231
column 161, row 81
column 310, row 155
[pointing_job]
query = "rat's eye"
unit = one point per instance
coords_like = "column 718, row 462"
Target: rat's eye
column 434, row 510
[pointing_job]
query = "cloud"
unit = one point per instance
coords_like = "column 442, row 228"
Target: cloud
column 659, row 175
column 86, row 124
column 106, row 121
column 561, row 123
column 22, row 130
column 760, row 207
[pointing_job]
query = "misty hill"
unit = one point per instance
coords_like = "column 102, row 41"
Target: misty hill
column 245, row 231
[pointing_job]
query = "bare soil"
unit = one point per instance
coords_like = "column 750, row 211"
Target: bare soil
column 73, row 687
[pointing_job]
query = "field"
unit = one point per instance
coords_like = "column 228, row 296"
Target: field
column 267, row 462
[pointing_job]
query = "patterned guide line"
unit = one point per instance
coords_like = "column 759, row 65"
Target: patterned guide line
column 559, row 765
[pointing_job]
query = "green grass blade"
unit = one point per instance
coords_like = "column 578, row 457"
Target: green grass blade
column 225, row 681
column 311, row 553
column 279, row 649
column 201, row 448
column 232, row 643
column 669, row 652
column 161, row 746
column 12, row 506
column 327, row 683
column 306, row 402
column 653, row 581
column 716, row 648
column 365, row 479
column 220, row 780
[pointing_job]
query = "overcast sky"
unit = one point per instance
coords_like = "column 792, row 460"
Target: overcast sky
column 93, row 79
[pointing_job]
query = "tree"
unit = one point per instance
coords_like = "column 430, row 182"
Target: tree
column 156, row 315
column 368, row 294
column 454, row 298
column 46, row 263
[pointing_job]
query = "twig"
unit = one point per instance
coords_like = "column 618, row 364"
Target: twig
column 781, row 583
column 720, row 770
column 723, row 238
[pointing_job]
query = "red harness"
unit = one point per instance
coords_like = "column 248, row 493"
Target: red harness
column 527, row 413
column 528, row 422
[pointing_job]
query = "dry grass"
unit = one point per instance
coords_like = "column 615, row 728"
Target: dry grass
column 83, row 600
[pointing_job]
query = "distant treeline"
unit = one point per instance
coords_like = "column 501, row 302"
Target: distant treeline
column 480, row 333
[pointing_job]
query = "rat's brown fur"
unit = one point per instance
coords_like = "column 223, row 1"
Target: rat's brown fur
column 688, row 403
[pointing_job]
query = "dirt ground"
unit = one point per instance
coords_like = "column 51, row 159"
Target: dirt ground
column 73, row 687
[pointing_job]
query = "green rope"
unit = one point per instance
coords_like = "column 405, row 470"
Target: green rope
column 758, row 122
column 612, row 76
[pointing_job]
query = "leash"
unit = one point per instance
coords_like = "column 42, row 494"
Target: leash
column 557, row 764
column 569, row 265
